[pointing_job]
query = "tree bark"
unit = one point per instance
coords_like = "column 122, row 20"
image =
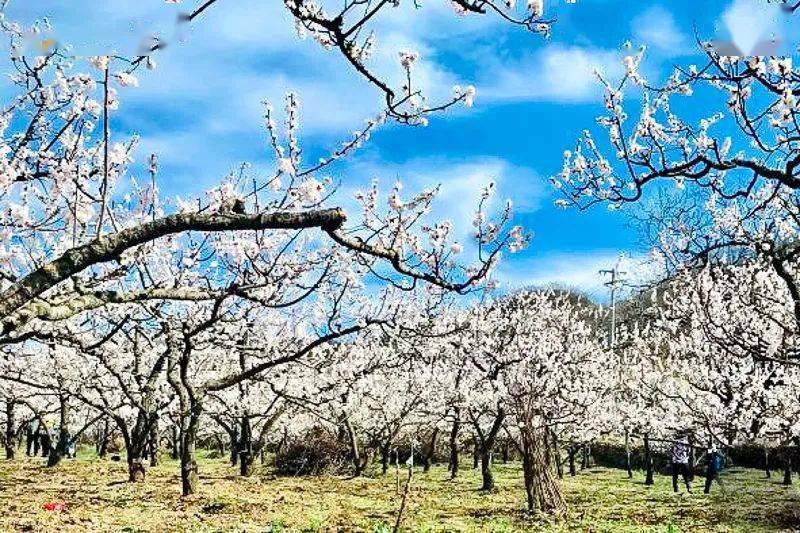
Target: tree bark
column 358, row 463
column 246, row 457
column 189, row 472
column 136, row 470
column 542, row 490
column 487, row 443
column 155, row 448
column 487, row 477
column 60, row 450
column 233, row 437
column 557, row 455
column 548, row 459
column 109, row 247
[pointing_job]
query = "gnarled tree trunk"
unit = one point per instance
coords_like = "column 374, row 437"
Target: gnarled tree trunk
column 189, row 473
column 60, row 450
column 246, row 458
column 359, row 463
column 557, row 454
column 542, row 490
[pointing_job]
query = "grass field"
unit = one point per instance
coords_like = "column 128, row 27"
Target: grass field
column 98, row 499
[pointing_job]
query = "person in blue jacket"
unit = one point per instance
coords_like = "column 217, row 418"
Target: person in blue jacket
column 715, row 462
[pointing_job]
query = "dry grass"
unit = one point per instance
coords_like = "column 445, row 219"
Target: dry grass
column 98, row 499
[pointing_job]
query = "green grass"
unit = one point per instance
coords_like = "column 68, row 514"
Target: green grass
column 600, row 500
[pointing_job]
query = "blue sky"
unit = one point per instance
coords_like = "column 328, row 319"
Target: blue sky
column 200, row 112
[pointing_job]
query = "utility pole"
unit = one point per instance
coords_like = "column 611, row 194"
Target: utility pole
column 615, row 282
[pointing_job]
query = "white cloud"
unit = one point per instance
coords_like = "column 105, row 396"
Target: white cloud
column 750, row 21
column 656, row 28
column 554, row 73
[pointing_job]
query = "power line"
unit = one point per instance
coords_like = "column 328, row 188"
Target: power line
column 614, row 284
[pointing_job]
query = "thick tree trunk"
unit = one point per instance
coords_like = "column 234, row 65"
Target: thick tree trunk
column 628, row 466
column 136, row 445
column 548, row 459
column 60, row 450
column 453, row 467
column 486, row 469
column 10, row 423
column 358, row 462
column 189, row 472
column 136, row 469
column 542, row 490
column 246, row 462
column 154, row 444
column 648, row 461
column 134, row 448
column 246, row 458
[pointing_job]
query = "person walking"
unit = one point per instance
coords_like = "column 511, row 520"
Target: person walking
column 44, row 438
column 715, row 462
column 32, row 438
column 680, row 462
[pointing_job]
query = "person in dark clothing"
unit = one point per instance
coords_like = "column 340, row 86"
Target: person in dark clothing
column 32, row 438
column 46, row 442
column 714, row 463
column 680, row 462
